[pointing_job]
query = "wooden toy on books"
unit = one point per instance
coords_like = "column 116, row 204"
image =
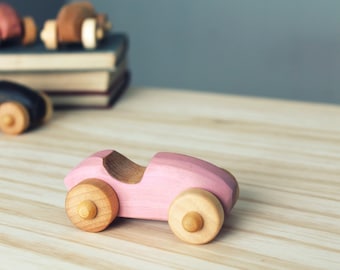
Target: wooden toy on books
column 22, row 108
column 193, row 195
column 14, row 28
column 75, row 23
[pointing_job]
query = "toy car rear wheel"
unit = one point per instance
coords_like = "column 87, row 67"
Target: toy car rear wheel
column 49, row 35
column 49, row 107
column 14, row 118
column 92, row 205
column 89, row 33
column 196, row 216
column 30, row 31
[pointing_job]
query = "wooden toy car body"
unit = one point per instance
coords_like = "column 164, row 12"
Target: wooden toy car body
column 22, row 108
column 75, row 23
column 12, row 27
column 166, row 189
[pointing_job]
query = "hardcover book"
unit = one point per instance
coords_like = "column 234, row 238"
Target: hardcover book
column 69, row 57
column 62, row 100
column 72, row 80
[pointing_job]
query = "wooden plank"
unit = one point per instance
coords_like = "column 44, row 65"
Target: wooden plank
column 285, row 155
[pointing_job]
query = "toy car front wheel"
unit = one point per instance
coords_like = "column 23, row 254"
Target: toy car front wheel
column 14, row 118
column 89, row 33
column 48, row 35
column 196, row 216
column 92, row 205
column 30, row 31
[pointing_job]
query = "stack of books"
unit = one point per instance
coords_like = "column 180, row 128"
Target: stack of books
column 71, row 76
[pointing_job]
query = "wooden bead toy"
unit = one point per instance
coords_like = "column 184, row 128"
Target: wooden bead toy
column 13, row 28
column 75, row 23
column 193, row 195
column 22, row 108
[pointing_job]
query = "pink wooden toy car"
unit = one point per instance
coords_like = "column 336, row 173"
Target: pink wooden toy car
column 75, row 23
column 192, row 194
column 12, row 27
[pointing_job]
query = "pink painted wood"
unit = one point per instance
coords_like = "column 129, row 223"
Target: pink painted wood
column 10, row 23
column 167, row 175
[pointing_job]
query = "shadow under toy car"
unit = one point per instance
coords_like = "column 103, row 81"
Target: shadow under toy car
column 75, row 23
column 13, row 28
column 22, row 108
column 192, row 194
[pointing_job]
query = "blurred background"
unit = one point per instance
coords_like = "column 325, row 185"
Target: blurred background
column 280, row 49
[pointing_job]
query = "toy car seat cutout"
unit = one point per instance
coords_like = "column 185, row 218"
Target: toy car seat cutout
column 122, row 168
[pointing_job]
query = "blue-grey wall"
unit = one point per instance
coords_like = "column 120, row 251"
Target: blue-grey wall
column 41, row 10
column 274, row 48
column 277, row 48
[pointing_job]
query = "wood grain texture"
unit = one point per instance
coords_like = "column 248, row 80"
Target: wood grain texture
column 92, row 205
column 14, row 118
column 196, row 210
column 285, row 155
column 30, row 30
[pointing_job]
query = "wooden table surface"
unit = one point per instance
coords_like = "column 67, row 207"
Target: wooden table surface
column 285, row 155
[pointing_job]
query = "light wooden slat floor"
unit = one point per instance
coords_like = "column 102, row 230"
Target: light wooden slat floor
column 285, row 155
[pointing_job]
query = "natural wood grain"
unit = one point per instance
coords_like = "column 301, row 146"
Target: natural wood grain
column 285, row 155
column 75, row 23
column 92, row 205
column 48, row 35
column 196, row 216
column 192, row 222
column 14, row 118
column 122, row 168
column 29, row 30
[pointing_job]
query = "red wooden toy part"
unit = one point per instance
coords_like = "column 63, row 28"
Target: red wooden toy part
column 12, row 27
column 75, row 23
column 193, row 195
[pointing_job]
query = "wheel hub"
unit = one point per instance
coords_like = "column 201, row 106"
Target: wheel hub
column 87, row 210
column 7, row 120
column 192, row 222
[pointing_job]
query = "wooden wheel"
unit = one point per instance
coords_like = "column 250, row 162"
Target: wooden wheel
column 49, row 35
column 89, row 34
column 14, row 118
column 196, row 216
column 92, row 205
column 30, row 31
